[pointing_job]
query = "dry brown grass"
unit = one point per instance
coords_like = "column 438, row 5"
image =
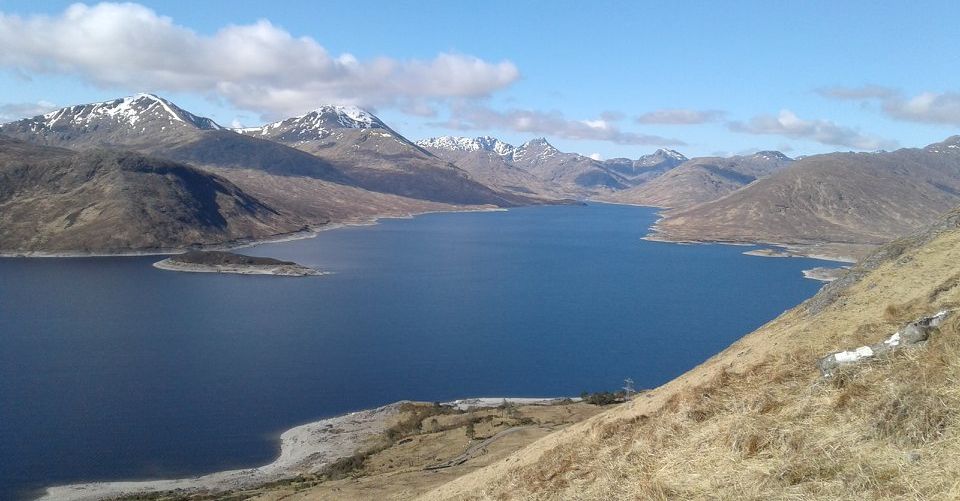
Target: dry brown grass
column 759, row 422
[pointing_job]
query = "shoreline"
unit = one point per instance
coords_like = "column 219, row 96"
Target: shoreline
column 772, row 250
column 306, row 448
column 306, row 234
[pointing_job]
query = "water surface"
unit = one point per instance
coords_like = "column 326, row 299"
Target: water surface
column 111, row 369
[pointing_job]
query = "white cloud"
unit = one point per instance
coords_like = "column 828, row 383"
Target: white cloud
column 926, row 107
column 788, row 124
column 16, row 111
column 259, row 67
column 680, row 117
column 597, row 124
column 596, row 156
column 555, row 124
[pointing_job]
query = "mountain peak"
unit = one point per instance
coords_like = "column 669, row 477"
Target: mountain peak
column 771, row 155
column 351, row 117
column 538, row 141
column 536, row 147
column 319, row 123
column 127, row 111
column 668, row 153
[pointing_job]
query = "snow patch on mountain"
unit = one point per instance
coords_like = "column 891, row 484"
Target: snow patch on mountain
column 459, row 143
column 670, row 154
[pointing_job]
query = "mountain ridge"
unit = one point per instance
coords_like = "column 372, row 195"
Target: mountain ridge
column 572, row 174
column 850, row 198
column 702, row 179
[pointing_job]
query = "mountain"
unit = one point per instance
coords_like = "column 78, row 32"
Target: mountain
column 150, row 124
column 575, row 173
column 377, row 158
column 860, row 198
column 702, row 179
column 341, row 145
column 760, row 421
column 489, row 160
column 57, row 200
column 539, row 168
column 646, row 167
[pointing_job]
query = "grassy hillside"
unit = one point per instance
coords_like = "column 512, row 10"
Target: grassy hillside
column 852, row 198
column 758, row 421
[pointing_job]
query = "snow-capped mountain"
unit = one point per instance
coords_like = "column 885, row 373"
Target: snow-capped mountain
column 490, row 161
column 660, row 156
column 460, row 143
column 317, row 124
column 770, row 156
column 150, row 124
column 536, row 150
column 555, row 172
column 375, row 156
column 140, row 112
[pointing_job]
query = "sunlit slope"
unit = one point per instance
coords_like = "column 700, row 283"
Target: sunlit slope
column 758, row 421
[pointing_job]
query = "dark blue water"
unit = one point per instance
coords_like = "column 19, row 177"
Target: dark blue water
column 111, row 369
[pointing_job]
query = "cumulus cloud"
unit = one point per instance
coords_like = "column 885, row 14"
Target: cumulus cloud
column 16, row 111
column 680, row 117
column 555, row 124
column 788, row 124
column 596, row 156
column 259, row 67
column 926, row 107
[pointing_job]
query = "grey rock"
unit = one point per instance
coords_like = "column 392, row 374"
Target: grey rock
column 916, row 332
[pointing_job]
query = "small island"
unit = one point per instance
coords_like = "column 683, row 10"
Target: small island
column 228, row 262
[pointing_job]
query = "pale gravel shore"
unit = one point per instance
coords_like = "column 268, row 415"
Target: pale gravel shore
column 304, row 449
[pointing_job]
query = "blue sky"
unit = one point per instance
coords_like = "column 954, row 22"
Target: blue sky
column 612, row 78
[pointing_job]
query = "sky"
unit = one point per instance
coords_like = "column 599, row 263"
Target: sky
column 609, row 79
